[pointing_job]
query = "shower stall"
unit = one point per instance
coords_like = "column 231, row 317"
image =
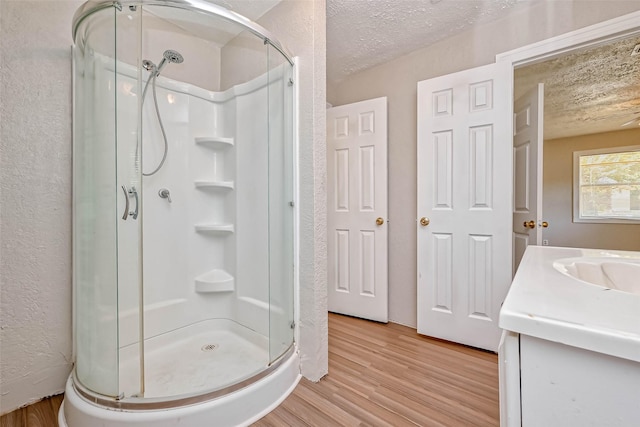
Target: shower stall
column 183, row 216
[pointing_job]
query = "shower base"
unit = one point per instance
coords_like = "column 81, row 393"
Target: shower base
column 193, row 361
column 205, row 356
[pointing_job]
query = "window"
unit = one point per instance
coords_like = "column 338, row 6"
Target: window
column 606, row 185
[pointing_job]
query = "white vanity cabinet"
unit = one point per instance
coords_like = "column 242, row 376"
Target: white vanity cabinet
column 560, row 385
column 570, row 351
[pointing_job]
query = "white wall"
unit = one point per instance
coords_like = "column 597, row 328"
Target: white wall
column 35, row 200
column 397, row 80
column 557, row 207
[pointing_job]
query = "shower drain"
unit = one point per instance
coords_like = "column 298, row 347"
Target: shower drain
column 209, row 347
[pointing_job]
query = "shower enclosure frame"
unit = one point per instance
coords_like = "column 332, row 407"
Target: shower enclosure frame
column 198, row 6
column 142, row 403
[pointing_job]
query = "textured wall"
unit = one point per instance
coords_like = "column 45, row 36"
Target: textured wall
column 397, row 80
column 35, row 199
column 557, row 207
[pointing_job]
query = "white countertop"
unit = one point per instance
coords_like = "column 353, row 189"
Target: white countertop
column 545, row 303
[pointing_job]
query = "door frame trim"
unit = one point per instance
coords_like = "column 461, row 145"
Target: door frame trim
column 591, row 36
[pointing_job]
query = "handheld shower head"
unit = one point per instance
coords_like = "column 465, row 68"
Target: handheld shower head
column 154, row 70
column 169, row 56
column 173, row 56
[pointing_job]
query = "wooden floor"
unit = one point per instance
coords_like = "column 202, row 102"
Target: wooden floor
column 379, row 375
column 388, row 375
column 41, row 414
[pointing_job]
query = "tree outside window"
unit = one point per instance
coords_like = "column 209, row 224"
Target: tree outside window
column 607, row 185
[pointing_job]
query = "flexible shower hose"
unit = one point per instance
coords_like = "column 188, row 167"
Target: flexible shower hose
column 164, row 134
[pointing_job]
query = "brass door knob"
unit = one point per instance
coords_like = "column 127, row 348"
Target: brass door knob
column 379, row 221
column 545, row 224
column 424, row 221
column 530, row 224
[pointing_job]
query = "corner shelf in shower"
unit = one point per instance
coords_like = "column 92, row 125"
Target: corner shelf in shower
column 214, row 228
column 213, row 185
column 215, row 141
column 215, row 281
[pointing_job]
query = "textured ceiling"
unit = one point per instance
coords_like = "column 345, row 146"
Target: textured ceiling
column 365, row 33
column 591, row 91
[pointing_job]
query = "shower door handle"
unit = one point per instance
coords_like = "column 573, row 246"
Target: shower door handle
column 125, row 215
column 127, row 194
column 133, row 191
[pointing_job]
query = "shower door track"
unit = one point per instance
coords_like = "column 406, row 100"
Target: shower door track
column 197, row 6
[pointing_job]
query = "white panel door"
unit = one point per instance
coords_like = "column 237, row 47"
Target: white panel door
column 527, row 171
column 357, row 209
column 464, row 204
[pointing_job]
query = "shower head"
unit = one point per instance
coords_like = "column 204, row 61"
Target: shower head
column 169, row 56
column 173, row 56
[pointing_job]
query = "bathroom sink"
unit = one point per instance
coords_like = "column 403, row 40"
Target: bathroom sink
column 622, row 274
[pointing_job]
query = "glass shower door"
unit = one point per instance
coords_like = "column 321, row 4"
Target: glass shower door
column 95, row 260
column 107, row 219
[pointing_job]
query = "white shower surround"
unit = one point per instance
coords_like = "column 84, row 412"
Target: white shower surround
column 209, row 142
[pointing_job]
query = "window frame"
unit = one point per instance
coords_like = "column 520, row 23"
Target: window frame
column 576, row 186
